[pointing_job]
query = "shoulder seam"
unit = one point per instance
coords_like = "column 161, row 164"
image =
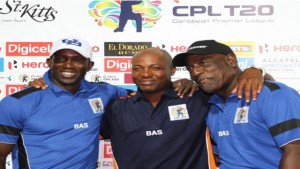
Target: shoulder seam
column 25, row 92
column 271, row 86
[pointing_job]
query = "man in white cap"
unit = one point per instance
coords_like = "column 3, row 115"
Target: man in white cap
column 57, row 127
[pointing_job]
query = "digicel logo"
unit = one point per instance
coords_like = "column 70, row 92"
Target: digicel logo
column 117, row 64
column 10, row 89
column 107, row 150
column 28, row 48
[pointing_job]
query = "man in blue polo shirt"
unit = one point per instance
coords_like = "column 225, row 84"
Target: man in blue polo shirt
column 155, row 129
column 57, row 127
column 263, row 133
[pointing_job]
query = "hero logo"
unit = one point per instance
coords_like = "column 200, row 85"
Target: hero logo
column 15, row 65
column 117, row 64
column 28, row 48
column 232, row 10
column 10, row 89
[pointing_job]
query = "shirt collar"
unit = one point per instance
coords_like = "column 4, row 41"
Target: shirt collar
column 171, row 93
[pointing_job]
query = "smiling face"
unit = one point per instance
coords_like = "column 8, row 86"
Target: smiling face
column 214, row 73
column 68, row 68
column 152, row 70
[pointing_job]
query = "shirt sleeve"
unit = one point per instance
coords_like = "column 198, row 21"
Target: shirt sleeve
column 11, row 120
column 282, row 114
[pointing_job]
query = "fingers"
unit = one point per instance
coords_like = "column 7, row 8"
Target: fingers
column 184, row 88
column 194, row 89
column 250, row 83
column 38, row 83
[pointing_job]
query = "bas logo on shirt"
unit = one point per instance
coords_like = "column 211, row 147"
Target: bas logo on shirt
column 223, row 133
column 154, row 133
column 81, row 126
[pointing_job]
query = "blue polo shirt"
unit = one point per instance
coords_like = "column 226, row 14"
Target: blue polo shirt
column 54, row 128
column 169, row 136
column 249, row 135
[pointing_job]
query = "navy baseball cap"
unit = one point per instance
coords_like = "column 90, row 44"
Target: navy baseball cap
column 201, row 48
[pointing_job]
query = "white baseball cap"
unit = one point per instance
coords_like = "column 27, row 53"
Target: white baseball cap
column 79, row 45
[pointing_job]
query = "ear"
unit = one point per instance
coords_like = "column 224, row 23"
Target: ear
column 90, row 65
column 173, row 70
column 48, row 61
column 231, row 60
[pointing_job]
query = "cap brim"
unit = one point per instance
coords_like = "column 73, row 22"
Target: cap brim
column 179, row 60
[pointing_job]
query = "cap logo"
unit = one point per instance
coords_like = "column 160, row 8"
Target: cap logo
column 196, row 47
column 74, row 42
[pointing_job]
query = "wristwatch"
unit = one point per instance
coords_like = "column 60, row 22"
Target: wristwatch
column 263, row 70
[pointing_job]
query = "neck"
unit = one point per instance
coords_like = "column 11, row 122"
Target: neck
column 154, row 97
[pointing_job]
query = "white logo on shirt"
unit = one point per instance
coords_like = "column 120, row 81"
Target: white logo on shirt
column 178, row 112
column 81, row 126
column 97, row 105
column 241, row 115
column 223, row 133
column 154, row 132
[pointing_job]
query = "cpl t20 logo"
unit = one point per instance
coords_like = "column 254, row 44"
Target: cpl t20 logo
column 115, row 14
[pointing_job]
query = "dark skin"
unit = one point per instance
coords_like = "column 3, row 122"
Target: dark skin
column 219, row 74
column 68, row 68
column 151, row 71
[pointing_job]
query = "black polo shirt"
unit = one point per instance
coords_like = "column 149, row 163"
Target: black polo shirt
column 169, row 136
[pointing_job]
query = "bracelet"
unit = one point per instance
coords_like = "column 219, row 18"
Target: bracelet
column 263, row 71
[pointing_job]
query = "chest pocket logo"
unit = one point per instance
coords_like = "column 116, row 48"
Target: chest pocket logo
column 96, row 105
column 241, row 115
column 178, row 112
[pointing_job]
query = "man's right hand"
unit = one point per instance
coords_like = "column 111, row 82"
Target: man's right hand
column 38, row 83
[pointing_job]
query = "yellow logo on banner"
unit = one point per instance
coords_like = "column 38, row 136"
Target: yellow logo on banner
column 242, row 48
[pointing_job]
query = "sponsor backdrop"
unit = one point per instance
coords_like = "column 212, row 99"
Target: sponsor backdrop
column 264, row 33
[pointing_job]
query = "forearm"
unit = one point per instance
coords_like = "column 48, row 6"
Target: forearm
column 290, row 158
column 2, row 163
column 290, row 161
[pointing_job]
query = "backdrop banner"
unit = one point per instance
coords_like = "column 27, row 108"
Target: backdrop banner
column 264, row 33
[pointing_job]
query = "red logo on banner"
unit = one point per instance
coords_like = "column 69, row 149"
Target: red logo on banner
column 128, row 78
column 28, row 48
column 10, row 89
column 107, row 150
column 117, row 64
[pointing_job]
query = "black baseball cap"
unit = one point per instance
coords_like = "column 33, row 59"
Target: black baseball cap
column 201, row 48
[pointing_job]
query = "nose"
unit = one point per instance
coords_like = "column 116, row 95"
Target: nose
column 146, row 72
column 69, row 63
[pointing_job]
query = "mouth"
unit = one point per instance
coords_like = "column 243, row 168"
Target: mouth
column 68, row 74
column 203, row 80
column 146, row 82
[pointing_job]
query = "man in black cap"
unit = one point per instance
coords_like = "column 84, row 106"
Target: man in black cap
column 262, row 133
column 211, row 47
